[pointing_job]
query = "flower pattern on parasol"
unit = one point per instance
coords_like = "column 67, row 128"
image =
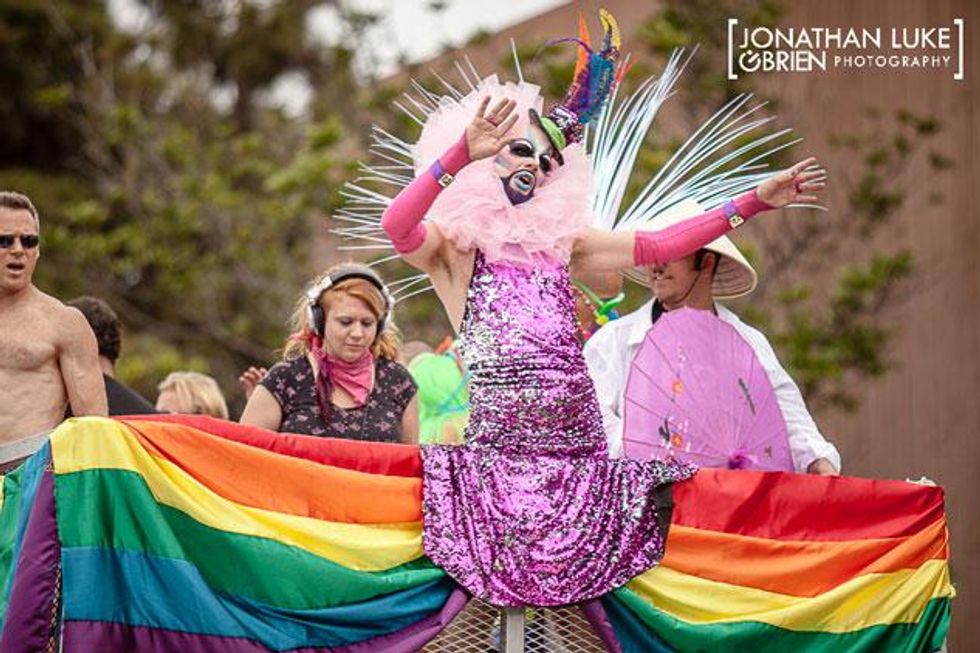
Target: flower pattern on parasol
column 696, row 392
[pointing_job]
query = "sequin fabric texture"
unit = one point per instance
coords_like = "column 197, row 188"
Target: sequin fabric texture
column 531, row 511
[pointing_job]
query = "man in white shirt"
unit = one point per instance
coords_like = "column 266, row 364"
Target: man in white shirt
column 718, row 271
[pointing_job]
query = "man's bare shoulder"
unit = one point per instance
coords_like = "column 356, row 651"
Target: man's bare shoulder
column 58, row 310
column 67, row 324
column 35, row 298
column 73, row 322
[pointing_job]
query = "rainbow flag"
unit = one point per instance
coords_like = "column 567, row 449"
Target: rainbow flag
column 193, row 534
column 199, row 535
column 786, row 562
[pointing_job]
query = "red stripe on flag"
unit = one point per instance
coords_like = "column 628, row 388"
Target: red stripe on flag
column 786, row 506
column 371, row 457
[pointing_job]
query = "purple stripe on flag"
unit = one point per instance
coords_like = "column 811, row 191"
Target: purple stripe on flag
column 107, row 636
column 596, row 614
column 28, row 625
column 417, row 635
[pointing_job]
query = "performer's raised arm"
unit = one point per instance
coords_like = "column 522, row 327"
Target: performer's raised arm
column 419, row 243
column 602, row 250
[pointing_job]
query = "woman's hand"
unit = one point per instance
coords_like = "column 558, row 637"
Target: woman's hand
column 251, row 378
column 485, row 135
column 794, row 184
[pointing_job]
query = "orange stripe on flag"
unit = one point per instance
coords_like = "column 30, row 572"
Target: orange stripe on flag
column 386, row 458
column 255, row 477
column 794, row 567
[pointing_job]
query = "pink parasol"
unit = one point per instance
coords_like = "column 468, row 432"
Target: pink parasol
column 697, row 392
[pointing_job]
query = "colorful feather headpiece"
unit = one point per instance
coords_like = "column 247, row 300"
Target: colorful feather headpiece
column 597, row 74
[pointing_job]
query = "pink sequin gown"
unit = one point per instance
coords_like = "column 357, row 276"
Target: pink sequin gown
column 531, row 511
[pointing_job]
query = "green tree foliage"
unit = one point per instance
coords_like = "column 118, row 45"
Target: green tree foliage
column 38, row 66
column 191, row 215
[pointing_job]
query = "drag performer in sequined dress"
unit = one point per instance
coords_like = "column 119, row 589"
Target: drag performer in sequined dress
column 530, row 510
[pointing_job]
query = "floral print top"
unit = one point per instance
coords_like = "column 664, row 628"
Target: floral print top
column 291, row 382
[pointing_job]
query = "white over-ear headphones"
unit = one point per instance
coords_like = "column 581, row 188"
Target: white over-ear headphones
column 349, row 271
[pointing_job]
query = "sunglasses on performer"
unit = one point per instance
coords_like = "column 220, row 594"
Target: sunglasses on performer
column 27, row 241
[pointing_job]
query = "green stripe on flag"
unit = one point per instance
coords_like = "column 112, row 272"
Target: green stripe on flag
column 231, row 563
column 926, row 635
column 8, row 532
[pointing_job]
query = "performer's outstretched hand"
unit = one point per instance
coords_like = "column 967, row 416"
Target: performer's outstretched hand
column 793, row 185
column 485, row 136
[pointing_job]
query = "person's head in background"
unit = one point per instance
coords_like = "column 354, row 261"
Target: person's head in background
column 347, row 323
column 688, row 281
column 717, row 271
column 191, row 393
column 19, row 242
column 411, row 349
column 107, row 328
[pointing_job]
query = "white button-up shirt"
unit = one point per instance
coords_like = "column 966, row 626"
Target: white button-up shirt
column 610, row 352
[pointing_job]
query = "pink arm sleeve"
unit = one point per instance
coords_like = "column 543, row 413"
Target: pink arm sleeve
column 402, row 221
column 685, row 238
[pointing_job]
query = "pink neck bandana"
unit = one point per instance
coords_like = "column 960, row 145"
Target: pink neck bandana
column 356, row 377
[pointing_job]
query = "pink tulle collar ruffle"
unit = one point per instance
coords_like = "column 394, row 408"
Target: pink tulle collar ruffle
column 474, row 211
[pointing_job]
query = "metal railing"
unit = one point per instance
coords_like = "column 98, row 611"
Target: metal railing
column 481, row 628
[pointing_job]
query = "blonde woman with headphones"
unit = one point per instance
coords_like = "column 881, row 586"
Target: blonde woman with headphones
column 339, row 376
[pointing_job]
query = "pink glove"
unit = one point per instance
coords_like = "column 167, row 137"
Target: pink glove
column 685, row 238
column 402, row 221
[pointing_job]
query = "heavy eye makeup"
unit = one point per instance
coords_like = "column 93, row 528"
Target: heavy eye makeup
column 525, row 149
column 546, row 164
column 522, row 149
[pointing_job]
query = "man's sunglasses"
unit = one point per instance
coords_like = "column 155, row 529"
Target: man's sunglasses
column 27, row 241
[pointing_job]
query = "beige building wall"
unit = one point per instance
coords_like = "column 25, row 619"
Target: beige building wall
column 923, row 417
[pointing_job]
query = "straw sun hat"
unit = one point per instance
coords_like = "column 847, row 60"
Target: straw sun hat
column 734, row 278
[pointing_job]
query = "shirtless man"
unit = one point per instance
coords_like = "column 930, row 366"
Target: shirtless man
column 48, row 353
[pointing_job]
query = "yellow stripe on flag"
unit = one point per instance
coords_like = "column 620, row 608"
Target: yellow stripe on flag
column 82, row 444
column 868, row 600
